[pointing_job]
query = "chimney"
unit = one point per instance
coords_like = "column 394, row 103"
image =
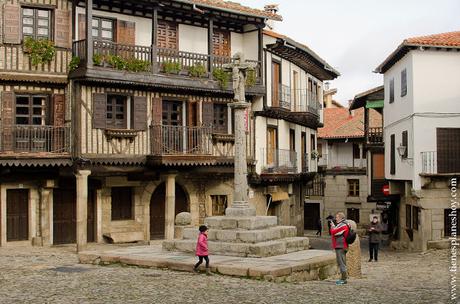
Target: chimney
column 272, row 9
column 352, row 112
column 326, row 86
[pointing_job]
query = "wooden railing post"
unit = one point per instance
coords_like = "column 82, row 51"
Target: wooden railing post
column 210, row 46
column 89, row 35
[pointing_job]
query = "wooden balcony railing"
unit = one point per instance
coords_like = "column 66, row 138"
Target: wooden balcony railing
column 316, row 186
column 13, row 59
column 35, row 139
column 153, row 59
column 278, row 161
column 375, row 135
column 305, row 162
column 181, row 140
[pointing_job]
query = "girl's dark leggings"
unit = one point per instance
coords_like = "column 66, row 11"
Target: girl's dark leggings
column 200, row 261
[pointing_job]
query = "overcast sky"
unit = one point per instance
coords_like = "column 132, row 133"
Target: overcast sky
column 355, row 36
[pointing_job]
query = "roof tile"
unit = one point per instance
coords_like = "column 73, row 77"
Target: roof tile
column 234, row 6
column 443, row 39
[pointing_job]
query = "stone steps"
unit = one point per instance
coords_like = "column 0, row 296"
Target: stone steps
column 245, row 223
column 260, row 249
column 242, row 235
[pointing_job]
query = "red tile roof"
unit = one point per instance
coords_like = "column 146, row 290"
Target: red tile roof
column 236, row 7
column 443, row 39
column 338, row 123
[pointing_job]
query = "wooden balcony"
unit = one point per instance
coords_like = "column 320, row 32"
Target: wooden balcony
column 278, row 161
column 16, row 65
column 155, row 66
column 35, row 141
column 375, row 136
column 191, row 146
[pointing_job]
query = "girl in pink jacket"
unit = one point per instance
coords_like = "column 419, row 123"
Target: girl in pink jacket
column 202, row 249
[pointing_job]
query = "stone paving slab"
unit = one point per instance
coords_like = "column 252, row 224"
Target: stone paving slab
column 303, row 265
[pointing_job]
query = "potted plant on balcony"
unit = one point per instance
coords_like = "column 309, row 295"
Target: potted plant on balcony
column 98, row 59
column 198, row 70
column 74, row 63
column 40, row 51
column 314, row 154
column 222, row 77
column 171, row 67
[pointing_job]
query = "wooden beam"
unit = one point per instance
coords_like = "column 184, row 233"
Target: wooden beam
column 89, row 35
column 210, row 45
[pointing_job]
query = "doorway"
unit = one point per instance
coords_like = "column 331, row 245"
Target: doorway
column 17, row 215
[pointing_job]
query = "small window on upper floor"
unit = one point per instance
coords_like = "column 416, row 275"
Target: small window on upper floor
column 103, row 28
column 36, row 23
column 403, row 82
column 392, row 90
column 353, row 187
column 220, row 118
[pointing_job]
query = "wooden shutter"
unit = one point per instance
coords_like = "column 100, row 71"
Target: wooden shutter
column 378, row 166
column 405, row 143
column 221, row 44
column 11, row 23
column 157, row 111
column 392, row 90
column 448, row 150
column 58, row 110
column 207, row 114
column 99, row 110
column 392, row 155
column 403, row 82
column 192, row 114
column 126, row 32
column 140, row 113
column 62, row 29
column 7, row 120
column 81, row 26
column 167, row 35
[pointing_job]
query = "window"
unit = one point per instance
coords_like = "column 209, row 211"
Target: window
column 356, row 152
column 220, row 118
column 219, row 204
column 353, row 187
column 405, row 143
column 392, row 90
column 353, row 214
column 408, row 216
column 36, row 23
column 31, row 110
column 122, row 203
column 403, row 82
column 116, row 111
column 412, row 219
column 392, row 154
column 102, row 28
column 415, row 211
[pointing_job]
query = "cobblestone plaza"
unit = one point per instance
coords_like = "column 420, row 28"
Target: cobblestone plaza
column 53, row 275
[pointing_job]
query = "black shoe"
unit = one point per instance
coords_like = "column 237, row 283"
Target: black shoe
column 370, row 260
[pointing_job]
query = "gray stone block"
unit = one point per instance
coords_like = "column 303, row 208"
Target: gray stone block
column 257, row 222
column 226, row 235
column 190, row 233
column 266, row 249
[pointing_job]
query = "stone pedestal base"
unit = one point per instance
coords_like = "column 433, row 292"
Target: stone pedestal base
column 244, row 236
column 242, row 212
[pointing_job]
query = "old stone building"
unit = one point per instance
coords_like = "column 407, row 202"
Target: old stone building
column 122, row 119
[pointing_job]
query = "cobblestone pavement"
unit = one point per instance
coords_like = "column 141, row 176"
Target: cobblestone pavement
column 52, row 275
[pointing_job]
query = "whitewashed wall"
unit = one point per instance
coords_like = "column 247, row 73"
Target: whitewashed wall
column 193, row 39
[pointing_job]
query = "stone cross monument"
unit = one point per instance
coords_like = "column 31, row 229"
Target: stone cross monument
column 239, row 69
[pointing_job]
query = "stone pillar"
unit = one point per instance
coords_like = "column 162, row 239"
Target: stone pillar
column 354, row 255
column 82, row 206
column 360, row 156
column 170, row 204
column 240, row 206
column 45, row 215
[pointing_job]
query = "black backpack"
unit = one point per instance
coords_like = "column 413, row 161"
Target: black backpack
column 351, row 237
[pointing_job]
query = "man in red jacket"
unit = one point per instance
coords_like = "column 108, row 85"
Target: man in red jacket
column 339, row 234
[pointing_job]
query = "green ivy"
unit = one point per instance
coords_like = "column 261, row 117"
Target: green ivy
column 74, row 63
column 251, row 78
column 116, row 61
column 40, row 51
column 137, row 65
column 198, row 70
column 222, row 77
column 171, row 67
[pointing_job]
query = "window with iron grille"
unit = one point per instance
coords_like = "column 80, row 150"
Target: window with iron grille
column 220, row 118
column 32, row 110
column 392, row 90
column 103, row 28
column 353, row 187
column 116, row 111
column 36, row 23
column 415, row 220
column 353, row 214
column 219, row 204
column 122, row 203
column 403, row 82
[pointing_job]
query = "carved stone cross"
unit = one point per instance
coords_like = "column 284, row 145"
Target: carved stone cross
column 239, row 69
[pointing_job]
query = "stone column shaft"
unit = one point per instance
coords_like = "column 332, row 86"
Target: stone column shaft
column 360, row 156
column 82, row 208
column 170, row 204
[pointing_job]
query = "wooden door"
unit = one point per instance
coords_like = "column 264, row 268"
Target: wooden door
column 448, row 150
column 276, row 84
column 64, row 215
column 272, row 141
column 311, row 216
column 221, row 45
column 157, row 209
column 292, row 154
column 378, row 166
column 17, row 215
column 303, row 147
column 167, row 36
column 91, row 219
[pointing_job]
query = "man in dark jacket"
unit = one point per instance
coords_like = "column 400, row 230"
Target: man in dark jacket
column 339, row 234
column 374, row 239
